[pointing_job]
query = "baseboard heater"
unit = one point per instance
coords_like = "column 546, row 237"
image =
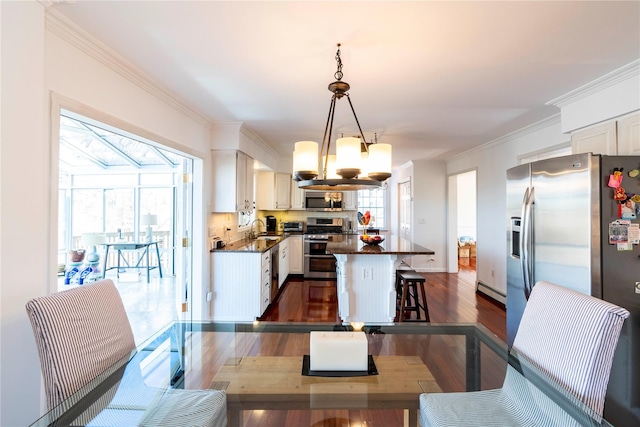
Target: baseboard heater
column 490, row 292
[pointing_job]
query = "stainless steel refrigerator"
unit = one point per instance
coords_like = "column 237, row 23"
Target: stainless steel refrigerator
column 565, row 226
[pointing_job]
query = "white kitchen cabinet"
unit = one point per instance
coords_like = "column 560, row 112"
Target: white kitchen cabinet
column 297, row 196
column 616, row 137
column 296, row 256
column 265, row 299
column 274, row 191
column 598, row 139
column 283, row 262
column 232, row 189
column 350, row 200
column 241, row 284
column 629, row 134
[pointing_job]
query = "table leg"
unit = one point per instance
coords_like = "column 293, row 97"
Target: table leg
column 146, row 251
column 473, row 363
column 118, row 266
column 158, row 255
column 104, row 262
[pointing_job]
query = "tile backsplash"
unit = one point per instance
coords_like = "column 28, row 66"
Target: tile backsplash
column 219, row 222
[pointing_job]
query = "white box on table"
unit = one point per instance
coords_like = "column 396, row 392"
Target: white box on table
column 338, row 351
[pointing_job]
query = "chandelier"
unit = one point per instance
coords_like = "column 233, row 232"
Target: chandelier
column 357, row 164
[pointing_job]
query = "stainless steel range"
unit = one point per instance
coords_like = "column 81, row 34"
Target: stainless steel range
column 317, row 263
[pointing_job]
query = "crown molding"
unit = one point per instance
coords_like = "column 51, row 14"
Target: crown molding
column 79, row 38
column 623, row 73
column 534, row 127
column 255, row 138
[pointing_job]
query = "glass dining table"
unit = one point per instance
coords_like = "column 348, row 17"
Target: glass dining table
column 261, row 366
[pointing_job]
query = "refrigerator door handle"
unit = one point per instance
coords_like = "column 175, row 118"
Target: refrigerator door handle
column 528, row 243
column 523, row 234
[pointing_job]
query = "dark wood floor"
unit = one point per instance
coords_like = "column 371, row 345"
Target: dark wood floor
column 451, row 298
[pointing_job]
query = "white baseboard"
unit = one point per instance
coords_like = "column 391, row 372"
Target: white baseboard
column 490, row 292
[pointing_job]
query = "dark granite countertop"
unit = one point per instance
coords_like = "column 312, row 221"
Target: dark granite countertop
column 351, row 244
column 261, row 245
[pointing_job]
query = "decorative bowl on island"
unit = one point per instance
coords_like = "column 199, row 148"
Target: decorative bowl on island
column 370, row 239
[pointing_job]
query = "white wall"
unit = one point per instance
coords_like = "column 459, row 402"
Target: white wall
column 612, row 95
column 43, row 64
column 491, row 163
column 428, row 188
column 24, row 197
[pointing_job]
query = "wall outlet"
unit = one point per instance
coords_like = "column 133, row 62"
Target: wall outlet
column 637, row 287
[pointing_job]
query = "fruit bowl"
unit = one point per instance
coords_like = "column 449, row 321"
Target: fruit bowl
column 371, row 239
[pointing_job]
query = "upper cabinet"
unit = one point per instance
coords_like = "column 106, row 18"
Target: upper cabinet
column 297, row 197
column 629, row 134
column 616, row 137
column 349, row 200
column 598, row 139
column 274, row 191
column 232, row 181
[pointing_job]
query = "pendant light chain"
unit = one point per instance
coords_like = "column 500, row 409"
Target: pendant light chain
column 338, row 74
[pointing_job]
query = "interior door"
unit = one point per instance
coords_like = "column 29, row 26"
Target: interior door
column 184, row 246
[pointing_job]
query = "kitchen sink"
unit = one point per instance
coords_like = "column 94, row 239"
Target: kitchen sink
column 267, row 237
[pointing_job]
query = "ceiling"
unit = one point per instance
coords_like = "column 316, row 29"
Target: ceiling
column 432, row 78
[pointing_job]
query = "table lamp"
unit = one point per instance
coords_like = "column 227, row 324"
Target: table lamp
column 149, row 220
column 91, row 240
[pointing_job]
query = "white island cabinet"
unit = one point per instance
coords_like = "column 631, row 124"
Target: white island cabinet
column 366, row 276
column 241, row 284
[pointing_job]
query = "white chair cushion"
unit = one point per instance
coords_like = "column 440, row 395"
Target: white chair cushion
column 568, row 335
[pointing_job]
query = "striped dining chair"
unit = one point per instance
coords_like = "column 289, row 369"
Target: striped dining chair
column 84, row 333
column 568, row 335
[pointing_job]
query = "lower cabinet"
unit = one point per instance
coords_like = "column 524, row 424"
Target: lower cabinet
column 240, row 283
column 296, row 256
column 283, row 265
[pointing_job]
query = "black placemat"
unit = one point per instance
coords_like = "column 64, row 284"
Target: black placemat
column 306, row 362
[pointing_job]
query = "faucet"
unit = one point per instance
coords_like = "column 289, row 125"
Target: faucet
column 253, row 235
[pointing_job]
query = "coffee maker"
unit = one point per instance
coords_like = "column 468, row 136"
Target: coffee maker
column 271, row 224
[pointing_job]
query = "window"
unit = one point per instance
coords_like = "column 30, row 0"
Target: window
column 374, row 201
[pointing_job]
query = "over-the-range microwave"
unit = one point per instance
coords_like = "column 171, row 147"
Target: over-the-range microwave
column 323, row 201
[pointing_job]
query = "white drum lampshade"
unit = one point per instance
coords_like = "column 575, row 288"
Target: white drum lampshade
column 331, row 167
column 379, row 164
column 364, row 164
column 348, row 157
column 305, row 160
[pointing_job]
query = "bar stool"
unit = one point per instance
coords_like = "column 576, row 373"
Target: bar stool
column 410, row 282
column 402, row 267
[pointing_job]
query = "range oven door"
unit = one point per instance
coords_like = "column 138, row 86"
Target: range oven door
column 317, row 263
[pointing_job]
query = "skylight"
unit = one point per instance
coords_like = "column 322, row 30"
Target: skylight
column 84, row 146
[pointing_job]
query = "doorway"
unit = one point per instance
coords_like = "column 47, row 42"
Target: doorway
column 462, row 220
column 132, row 195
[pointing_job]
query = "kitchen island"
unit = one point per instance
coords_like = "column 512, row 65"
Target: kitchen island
column 366, row 276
